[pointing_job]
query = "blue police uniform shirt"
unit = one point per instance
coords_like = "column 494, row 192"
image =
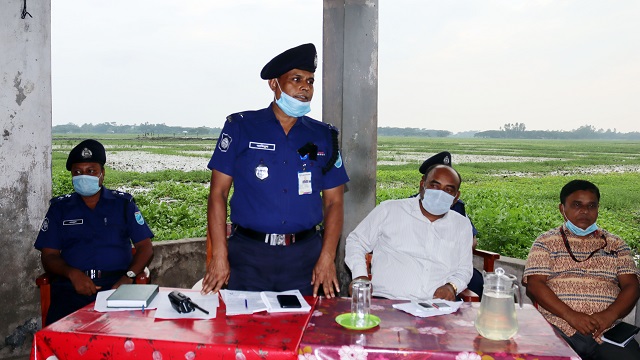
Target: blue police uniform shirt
column 97, row 239
column 269, row 174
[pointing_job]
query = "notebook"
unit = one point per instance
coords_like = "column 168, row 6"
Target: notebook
column 133, row 296
column 620, row 334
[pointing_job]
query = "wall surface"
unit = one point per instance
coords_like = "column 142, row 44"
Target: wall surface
column 25, row 163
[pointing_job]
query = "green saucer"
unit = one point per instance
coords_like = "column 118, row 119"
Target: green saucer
column 347, row 321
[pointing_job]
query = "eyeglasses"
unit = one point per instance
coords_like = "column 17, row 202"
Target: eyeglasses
column 566, row 245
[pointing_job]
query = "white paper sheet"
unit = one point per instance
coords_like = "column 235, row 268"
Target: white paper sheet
column 416, row 310
column 271, row 300
column 242, row 302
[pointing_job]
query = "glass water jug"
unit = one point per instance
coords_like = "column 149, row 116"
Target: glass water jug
column 496, row 319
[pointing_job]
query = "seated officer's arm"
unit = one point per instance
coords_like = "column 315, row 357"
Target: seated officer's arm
column 626, row 300
column 142, row 257
column 538, row 289
column 218, row 270
column 53, row 262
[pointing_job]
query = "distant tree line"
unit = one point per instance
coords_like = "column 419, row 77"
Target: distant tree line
column 145, row 129
column 395, row 131
column 518, row 131
column 508, row 131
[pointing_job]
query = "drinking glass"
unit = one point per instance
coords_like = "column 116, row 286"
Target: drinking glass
column 360, row 302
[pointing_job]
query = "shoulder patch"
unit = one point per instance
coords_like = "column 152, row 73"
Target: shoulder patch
column 139, row 218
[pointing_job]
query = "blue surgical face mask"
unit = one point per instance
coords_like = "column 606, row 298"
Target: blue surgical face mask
column 579, row 231
column 292, row 106
column 86, row 185
column 437, row 202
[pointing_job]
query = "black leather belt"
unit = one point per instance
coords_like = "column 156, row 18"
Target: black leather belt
column 97, row 274
column 275, row 239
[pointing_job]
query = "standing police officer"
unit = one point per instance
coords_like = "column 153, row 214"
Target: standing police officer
column 85, row 238
column 288, row 177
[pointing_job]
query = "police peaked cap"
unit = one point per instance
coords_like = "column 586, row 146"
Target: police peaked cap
column 303, row 57
column 443, row 158
column 87, row 151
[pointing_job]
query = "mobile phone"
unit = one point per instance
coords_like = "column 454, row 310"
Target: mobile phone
column 440, row 305
column 426, row 305
column 288, row 301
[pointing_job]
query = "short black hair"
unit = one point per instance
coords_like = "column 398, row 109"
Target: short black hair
column 578, row 185
column 426, row 173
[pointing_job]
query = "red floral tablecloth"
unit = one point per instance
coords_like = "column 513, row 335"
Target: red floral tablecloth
column 403, row 336
column 88, row 335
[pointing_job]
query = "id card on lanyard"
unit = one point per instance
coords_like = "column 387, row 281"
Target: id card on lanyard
column 304, row 182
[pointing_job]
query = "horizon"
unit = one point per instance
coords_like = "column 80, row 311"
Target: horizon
column 465, row 64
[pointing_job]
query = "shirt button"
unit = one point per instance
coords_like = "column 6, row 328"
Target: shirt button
column 284, row 222
column 285, row 162
column 284, row 191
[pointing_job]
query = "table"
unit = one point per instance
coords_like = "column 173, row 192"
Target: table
column 403, row 336
column 87, row 334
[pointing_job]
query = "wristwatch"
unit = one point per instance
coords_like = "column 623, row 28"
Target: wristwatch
column 131, row 275
column 455, row 289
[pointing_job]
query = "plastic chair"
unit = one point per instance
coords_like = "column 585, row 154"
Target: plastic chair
column 466, row 295
column 44, row 283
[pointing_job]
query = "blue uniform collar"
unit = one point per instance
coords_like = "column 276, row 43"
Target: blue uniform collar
column 304, row 120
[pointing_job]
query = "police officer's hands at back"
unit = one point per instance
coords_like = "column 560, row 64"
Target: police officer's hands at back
column 82, row 283
column 324, row 273
column 217, row 274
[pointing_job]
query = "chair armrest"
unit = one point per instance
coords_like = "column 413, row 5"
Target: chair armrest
column 488, row 257
column 43, row 279
column 469, row 296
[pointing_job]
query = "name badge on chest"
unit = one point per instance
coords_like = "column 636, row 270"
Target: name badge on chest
column 304, row 182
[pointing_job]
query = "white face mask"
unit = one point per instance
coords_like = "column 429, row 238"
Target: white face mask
column 437, row 202
column 292, row 106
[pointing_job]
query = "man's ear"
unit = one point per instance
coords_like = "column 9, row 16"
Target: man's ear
column 456, row 199
column 561, row 209
column 272, row 84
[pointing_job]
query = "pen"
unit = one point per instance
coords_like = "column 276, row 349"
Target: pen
column 143, row 309
column 246, row 304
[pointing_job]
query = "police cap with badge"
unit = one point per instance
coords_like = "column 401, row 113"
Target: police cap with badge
column 87, row 151
column 442, row 158
column 303, row 57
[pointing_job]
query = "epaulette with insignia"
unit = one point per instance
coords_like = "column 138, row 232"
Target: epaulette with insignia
column 235, row 117
column 122, row 195
column 59, row 199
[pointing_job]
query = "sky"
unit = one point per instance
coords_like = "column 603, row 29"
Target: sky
column 457, row 65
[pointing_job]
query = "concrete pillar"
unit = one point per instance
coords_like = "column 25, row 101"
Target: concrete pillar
column 25, row 163
column 350, row 102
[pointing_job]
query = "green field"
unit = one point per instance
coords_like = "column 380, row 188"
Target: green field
column 510, row 202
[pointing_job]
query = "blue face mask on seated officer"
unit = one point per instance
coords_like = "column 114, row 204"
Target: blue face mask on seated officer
column 437, row 202
column 291, row 106
column 86, row 185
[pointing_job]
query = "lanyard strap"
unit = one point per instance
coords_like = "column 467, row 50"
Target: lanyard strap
column 566, row 245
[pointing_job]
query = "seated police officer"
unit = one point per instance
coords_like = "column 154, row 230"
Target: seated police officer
column 288, row 177
column 85, row 238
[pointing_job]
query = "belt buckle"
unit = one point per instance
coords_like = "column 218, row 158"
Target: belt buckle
column 93, row 274
column 277, row 239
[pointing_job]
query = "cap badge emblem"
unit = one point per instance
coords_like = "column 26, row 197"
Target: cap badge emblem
column 86, row 153
column 446, row 160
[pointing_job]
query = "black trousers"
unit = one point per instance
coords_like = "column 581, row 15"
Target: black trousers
column 65, row 300
column 589, row 349
column 256, row 266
